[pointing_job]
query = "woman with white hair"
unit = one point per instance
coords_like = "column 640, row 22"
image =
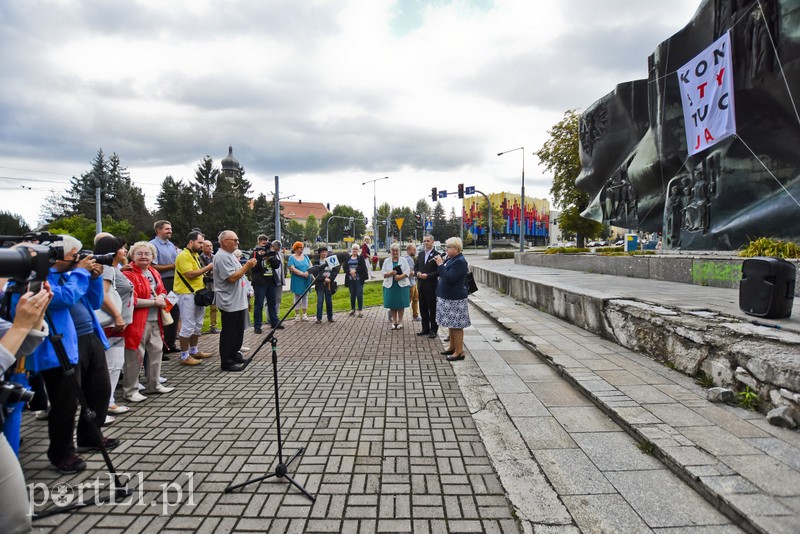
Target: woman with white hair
column 396, row 286
column 452, row 311
column 356, row 273
column 145, row 332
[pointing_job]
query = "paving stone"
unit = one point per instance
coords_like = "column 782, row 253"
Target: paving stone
column 572, row 473
column 614, row 451
column 604, row 513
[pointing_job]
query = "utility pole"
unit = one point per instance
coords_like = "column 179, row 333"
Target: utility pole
column 277, row 211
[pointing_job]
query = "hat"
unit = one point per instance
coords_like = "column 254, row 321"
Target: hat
column 320, row 249
column 296, row 245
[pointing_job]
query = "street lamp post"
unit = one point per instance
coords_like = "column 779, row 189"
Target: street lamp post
column 374, row 210
column 522, row 203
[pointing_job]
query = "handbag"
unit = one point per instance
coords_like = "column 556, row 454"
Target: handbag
column 470, row 284
column 202, row 297
column 102, row 316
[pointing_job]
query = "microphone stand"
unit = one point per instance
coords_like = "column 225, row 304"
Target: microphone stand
column 282, row 469
column 120, row 492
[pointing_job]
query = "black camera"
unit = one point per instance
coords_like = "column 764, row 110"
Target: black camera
column 102, row 259
column 27, row 262
column 11, row 393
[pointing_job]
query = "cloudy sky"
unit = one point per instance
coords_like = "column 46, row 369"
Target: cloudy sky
column 325, row 94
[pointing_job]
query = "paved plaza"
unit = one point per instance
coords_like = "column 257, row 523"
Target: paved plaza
column 545, row 427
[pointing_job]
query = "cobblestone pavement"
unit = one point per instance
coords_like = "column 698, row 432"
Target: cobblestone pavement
column 390, row 443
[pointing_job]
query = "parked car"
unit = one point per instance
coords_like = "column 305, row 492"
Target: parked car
column 619, row 243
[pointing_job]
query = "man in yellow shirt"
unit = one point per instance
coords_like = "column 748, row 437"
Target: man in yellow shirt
column 189, row 272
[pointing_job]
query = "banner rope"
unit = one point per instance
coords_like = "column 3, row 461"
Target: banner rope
column 780, row 63
column 766, row 168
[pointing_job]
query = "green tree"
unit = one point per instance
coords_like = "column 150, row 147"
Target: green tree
column 440, row 230
column 295, row 230
column 560, row 155
column 176, row 204
column 83, row 228
column 12, row 224
column 311, row 230
column 498, row 223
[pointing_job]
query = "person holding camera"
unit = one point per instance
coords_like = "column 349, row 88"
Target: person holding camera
column 77, row 285
column 263, row 280
column 19, row 339
column 189, row 280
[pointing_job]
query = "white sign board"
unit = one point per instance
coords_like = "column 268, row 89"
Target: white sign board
column 706, row 84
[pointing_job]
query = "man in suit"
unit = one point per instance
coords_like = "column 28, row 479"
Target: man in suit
column 427, row 278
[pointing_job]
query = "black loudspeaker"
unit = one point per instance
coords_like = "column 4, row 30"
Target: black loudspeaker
column 767, row 287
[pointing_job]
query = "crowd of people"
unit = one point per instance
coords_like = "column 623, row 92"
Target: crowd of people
column 129, row 313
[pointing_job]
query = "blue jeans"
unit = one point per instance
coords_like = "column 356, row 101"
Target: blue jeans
column 356, row 292
column 273, row 305
column 324, row 294
column 259, row 292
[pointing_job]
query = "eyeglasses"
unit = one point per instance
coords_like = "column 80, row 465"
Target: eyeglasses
column 143, row 254
column 231, row 239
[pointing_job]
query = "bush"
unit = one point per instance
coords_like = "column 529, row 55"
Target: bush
column 502, row 255
column 566, row 250
column 765, row 246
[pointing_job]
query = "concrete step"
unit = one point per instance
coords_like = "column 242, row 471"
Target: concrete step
column 748, row 469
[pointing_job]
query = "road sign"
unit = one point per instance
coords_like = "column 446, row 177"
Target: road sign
column 442, row 194
column 399, row 222
column 469, row 190
column 428, row 226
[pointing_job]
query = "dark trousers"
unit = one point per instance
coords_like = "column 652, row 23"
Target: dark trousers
column 171, row 331
column 427, row 307
column 92, row 376
column 259, row 296
column 356, row 288
column 272, row 304
column 232, row 335
column 324, row 295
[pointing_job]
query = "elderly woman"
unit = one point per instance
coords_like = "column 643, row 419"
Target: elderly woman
column 117, row 310
column 145, row 332
column 396, row 286
column 451, row 297
column 356, row 273
column 299, row 264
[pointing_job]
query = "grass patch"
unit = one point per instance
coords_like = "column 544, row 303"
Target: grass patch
column 704, row 380
column 748, row 399
column 565, row 250
column 373, row 296
column 646, row 447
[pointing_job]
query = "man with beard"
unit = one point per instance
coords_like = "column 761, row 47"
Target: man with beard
column 190, row 274
column 164, row 263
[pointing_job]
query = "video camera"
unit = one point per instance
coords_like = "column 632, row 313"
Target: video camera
column 102, row 259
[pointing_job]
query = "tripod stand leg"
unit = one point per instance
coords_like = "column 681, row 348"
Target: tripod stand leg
column 248, row 482
column 300, row 451
column 301, row 488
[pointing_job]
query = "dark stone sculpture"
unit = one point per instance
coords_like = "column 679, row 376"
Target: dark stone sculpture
column 633, row 146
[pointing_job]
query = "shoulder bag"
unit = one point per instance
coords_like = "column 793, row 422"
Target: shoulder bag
column 202, row 297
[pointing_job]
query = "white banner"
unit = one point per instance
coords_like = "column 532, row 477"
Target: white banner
column 706, row 84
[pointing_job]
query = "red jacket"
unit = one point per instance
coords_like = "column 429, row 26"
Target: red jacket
column 141, row 290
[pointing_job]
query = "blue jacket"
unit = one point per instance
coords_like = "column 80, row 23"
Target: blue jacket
column 79, row 287
column 452, row 279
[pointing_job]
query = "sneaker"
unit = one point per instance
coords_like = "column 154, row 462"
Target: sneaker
column 136, row 397
column 257, row 330
column 200, row 355
column 319, row 321
column 297, row 318
column 399, row 326
column 305, row 317
column 116, row 410
column 416, row 319
column 213, row 330
column 190, row 361
column 40, row 415
column 360, row 315
column 331, row 320
column 108, row 420
column 162, row 389
column 161, row 379
column 352, row 313
column 70, row 465
column 110, row 443
column 140, row 386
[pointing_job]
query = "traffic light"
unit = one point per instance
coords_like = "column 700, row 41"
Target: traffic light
column 366, row 221
column 434, row 194
column 418, row 218
column 460, row 190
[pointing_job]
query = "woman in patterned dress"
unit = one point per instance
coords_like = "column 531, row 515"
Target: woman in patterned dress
column 452, row 311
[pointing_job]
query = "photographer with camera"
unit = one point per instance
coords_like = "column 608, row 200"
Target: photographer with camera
column 263, row 279
column 18, row 339
column 77, row 285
